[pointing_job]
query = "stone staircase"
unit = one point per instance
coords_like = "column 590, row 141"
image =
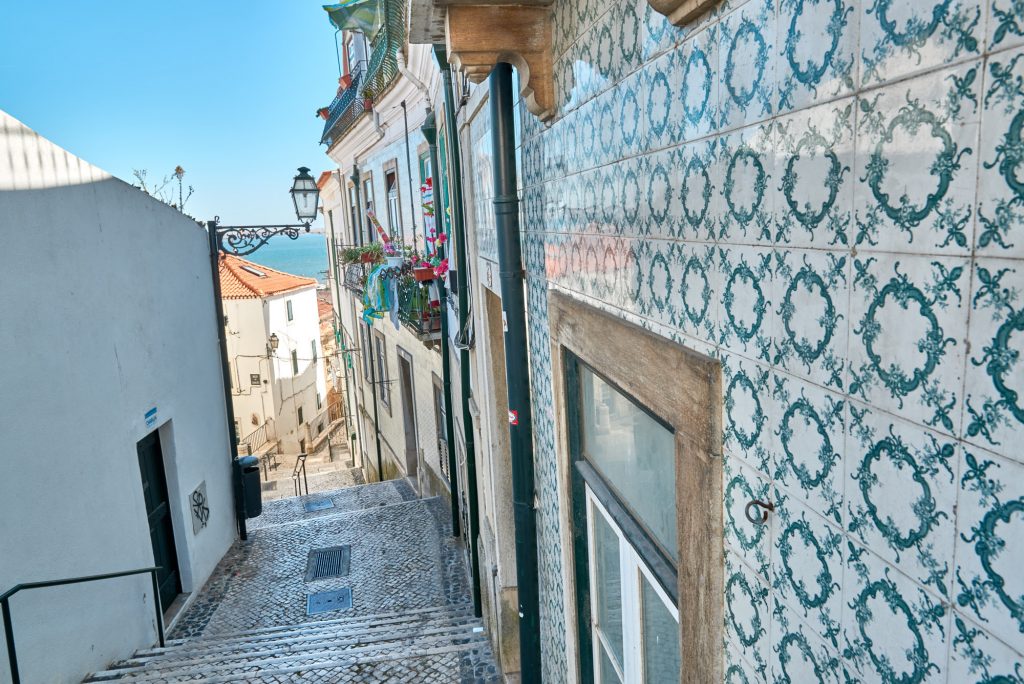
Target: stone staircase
column 410, row 618
column 427, row 645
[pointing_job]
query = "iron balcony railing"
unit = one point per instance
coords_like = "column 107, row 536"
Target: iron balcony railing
column 417, row 311
column 355, row 277
column 379, row 74
column 346, row 108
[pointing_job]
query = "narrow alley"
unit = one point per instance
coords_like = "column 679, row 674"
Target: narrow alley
column 386, row 552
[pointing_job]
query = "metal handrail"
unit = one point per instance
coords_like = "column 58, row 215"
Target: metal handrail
column 300, row 467
column 5, row 606
column 257, row 438
column 347, row 105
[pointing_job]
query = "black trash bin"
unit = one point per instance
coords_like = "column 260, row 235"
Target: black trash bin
column 250, row 466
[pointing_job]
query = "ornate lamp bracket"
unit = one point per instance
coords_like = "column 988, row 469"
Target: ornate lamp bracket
column 682, row 12
column 480, row 36
column 244, row 240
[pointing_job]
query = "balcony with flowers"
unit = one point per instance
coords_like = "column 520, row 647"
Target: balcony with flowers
column 398, row 283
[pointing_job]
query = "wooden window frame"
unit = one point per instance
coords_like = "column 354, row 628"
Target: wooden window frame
column 683, row 388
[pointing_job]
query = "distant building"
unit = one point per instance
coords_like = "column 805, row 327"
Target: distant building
column 275, row 354
column 116, row 448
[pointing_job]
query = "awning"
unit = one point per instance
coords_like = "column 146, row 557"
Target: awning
column 364, row 16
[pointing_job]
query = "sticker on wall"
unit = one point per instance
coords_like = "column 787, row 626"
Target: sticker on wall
column 513, row 417
column 151, row 417
column 200, row 508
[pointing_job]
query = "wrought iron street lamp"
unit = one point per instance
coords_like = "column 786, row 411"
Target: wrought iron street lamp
column 242, row 241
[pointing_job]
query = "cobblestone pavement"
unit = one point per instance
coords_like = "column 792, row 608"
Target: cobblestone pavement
column 411, row 617
column 321, row 476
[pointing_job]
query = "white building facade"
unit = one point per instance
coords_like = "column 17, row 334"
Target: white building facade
column 116, row 442
column 275, row 354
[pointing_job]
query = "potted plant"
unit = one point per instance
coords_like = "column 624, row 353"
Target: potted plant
column 372, row 253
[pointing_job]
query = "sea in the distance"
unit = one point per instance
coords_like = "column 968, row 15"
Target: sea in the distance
column 306, row 256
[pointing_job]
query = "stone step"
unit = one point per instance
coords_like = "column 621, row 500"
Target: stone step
column 247, row 668
column 292, row 640
column 353, row 623
column 297, row 647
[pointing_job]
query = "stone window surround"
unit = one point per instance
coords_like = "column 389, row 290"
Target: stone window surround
column 684, row 388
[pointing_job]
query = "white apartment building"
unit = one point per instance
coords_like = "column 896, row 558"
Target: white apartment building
column 275, row 354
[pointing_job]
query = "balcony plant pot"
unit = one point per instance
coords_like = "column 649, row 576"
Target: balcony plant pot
column 368, row 258
column 368, row 104
column 423, row 274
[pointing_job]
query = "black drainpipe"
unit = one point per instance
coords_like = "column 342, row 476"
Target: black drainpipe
column 459, row 226
column 369, row 342
column 512, row 275
column 429, row 130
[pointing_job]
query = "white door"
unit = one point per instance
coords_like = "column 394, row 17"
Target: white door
column 634, row 624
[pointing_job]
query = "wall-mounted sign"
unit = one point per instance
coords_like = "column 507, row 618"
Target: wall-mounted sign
column 151, row 417
column 200, row 508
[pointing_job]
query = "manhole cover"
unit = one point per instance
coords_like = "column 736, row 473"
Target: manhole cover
column 268, row 486
column 320, row 505
column 326, row 601
column 331, row 561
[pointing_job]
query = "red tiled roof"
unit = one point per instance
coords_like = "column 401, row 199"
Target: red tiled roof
column 241, row 279
column 324, row 309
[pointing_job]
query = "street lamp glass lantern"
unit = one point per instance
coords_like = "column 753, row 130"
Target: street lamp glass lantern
column 274, row 341
column 305, row 195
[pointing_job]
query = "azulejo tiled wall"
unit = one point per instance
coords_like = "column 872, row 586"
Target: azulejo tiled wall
column 827, row 196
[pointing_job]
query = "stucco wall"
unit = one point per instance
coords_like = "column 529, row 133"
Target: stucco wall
column 825, row 197
column 108, row 312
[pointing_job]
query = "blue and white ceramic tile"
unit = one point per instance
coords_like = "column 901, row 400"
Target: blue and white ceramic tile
column 807, row 568
column 662, row 209
column 746, row 66
column 1000, row 229
column 893, row 631
column 750, row 542
column 898, row 38
column 748, row 173
column 816, row 51
column 1005, row 23
column 657, row 34
column 930, row 122
column 814, row 180
column 696, row 298
column 810, row 297
column 901, row 495
column 747, row 322
column 747, row 616
column 977, row 658
column 994, row 397
column 696, row 73
column 989, row 586
column 738, row 671
column 798, row 654
column 748, row 411
column 662, row 108
column 699, row 178
column 907, row 319
column 809, row 429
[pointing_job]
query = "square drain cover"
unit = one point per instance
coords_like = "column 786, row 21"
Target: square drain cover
column 326, row 601
column 328, row 562
column 320, row 505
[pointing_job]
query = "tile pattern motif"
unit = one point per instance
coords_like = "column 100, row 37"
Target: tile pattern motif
column 828, row 196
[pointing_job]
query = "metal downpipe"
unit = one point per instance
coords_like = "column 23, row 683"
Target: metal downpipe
column 369, row 342
column 512, row 277
column 429, row 130
column 459, row 228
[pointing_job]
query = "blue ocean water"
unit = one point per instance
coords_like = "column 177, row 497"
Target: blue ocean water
column 306, row 256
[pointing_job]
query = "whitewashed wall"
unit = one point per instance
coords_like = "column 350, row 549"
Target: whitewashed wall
column 107, row 311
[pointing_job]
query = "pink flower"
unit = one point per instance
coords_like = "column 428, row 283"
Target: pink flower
column 442, row 238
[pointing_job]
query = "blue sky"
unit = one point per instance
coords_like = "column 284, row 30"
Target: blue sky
column 227, row 90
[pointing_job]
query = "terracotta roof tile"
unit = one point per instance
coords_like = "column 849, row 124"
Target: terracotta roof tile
column 241, row 279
